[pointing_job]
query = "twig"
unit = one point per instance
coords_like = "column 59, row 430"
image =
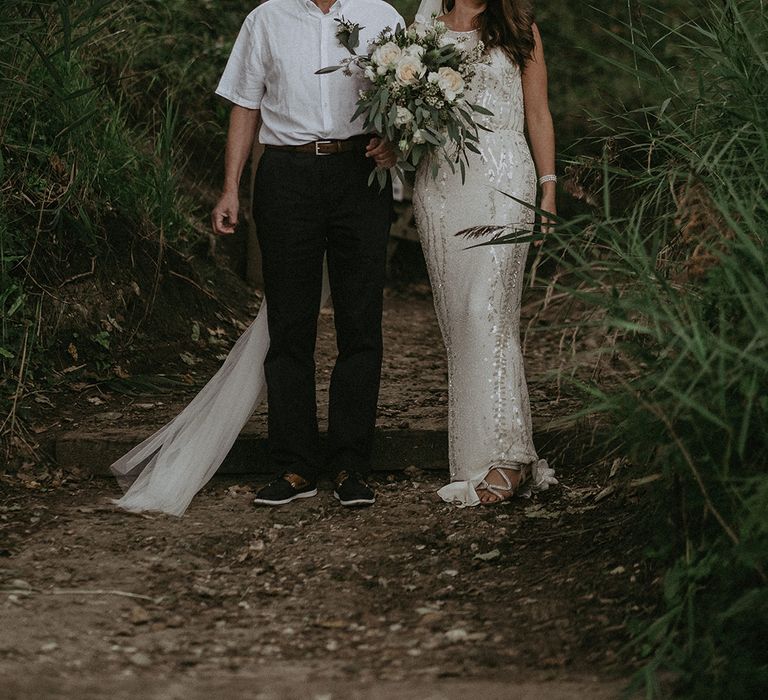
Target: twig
column 699, row 480
column 101, row 591
column 207, row 293
column 80, row 591
column 22, row 366
column 82, row 274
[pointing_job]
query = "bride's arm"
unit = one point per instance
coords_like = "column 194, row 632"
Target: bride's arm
column 243, row 126
column 538, row 119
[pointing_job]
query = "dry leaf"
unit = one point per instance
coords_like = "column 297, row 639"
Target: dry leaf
column 488, row 556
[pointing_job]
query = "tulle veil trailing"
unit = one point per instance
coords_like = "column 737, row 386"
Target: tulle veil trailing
column 165, row 471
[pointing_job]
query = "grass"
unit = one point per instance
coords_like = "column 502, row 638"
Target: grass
column 671, row 262
column 95, row 129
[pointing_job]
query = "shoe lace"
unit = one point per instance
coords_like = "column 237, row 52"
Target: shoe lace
column 295, row 480
column 342, row 476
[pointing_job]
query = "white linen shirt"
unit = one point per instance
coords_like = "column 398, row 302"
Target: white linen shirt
column 273, row 62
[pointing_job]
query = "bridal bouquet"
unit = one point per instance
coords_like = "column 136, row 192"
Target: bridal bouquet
column 416, row 98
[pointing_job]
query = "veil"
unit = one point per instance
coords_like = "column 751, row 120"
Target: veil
column 428, row 9
column 164, row 472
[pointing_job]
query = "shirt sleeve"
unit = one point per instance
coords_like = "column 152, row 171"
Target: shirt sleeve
column 243, row 79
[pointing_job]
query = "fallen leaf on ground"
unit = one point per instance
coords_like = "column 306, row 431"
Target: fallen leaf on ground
column 488, row 556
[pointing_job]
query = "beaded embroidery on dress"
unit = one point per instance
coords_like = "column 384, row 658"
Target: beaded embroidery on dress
column 477, row 291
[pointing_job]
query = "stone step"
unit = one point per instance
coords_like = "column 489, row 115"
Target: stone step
column 394, row 450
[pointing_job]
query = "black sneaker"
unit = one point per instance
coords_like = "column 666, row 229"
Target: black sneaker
column 351, row 490
column 285, row 489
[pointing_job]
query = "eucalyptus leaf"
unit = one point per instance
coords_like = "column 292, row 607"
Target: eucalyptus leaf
column 482, row 110
column 354, row 39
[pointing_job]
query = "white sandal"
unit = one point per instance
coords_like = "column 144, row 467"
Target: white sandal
column 504, row 493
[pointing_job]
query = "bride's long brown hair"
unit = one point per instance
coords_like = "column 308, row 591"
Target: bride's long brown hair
column 508, row 25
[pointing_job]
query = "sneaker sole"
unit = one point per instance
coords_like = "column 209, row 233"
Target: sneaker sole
column 356, row 502
column 303, row 494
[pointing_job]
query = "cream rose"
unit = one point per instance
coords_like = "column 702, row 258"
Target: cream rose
column 450, row 82
column 409, row 70
column 387, row 55
column 404, row 116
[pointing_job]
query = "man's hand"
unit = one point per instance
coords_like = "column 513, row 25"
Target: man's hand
column 382, row 152
column 224, row 215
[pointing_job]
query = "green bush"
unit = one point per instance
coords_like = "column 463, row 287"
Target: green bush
column 79, row 176
column 673, row 263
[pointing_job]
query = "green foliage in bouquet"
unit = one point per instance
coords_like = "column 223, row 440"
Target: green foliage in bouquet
column 416, row 97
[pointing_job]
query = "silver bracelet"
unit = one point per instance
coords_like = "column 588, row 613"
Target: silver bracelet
column 547, row 178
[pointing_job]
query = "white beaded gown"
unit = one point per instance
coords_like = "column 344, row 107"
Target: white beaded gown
column 477, row 291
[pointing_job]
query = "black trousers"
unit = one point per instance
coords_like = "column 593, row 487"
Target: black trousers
column 305, row 207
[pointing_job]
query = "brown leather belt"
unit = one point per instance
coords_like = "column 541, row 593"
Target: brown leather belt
column 327, row 148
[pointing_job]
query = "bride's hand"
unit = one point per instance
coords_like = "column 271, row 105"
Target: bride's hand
column 224, row 214
column 548, row 204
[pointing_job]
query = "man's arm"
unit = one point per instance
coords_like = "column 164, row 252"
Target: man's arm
column 243, row 125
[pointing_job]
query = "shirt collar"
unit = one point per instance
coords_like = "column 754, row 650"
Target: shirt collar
column 336, row 8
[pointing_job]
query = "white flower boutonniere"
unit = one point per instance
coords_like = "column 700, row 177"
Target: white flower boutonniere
column 348, row 34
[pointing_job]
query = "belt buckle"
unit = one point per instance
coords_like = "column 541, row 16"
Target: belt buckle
column 317, row 148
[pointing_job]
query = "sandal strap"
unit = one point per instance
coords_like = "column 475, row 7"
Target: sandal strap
column 501, row 491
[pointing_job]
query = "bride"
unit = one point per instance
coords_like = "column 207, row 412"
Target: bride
column 477, row 293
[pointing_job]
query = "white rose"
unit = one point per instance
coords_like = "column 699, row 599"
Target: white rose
column 409, row 70
column 415, row 50
column 387, row 54
column 418, row 136
column 404, row 116
column 450, row 82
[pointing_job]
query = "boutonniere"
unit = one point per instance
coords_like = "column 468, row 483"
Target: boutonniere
column 348, row 34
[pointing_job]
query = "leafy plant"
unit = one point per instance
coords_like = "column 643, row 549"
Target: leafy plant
column 671, row 267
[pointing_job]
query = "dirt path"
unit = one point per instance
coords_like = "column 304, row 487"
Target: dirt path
column 409, row 590
column 307, row 686
column 413, row 389
column 409, row 599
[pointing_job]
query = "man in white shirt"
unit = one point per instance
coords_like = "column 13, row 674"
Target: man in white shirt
column 312, row 199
